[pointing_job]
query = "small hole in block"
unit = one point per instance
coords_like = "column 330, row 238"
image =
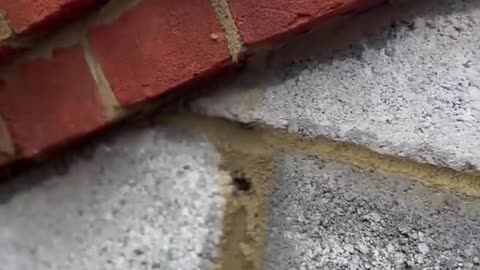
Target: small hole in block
column 242, row 183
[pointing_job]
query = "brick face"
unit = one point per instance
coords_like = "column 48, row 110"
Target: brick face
column 262, row 21
column 154, row 47
column 47, row 103
column 7, row 53
column 158, row 46
column 4, row 159
column 31, row 16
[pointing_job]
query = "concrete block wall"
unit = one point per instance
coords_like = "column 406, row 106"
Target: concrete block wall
column 353, row 146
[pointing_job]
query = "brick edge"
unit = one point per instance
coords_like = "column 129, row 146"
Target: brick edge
column 113, row 110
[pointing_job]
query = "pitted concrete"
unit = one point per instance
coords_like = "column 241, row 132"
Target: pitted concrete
column 145, row 198
column 149, row 198
column 326, row 215
column 410, row 89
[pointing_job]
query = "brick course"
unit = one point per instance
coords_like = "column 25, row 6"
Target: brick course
column 4, row 159
column 159, row 46
column 47, row 103
column 35, row 16
column 153, row 48
column 261, row 21
column 33, row 19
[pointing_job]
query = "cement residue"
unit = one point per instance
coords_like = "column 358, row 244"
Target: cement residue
column 250, row 151
column 252, row 99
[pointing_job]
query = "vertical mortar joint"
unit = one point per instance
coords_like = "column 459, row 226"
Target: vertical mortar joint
column 7, row 147
column 222, row 10
column 110, row 104
column 5, row 30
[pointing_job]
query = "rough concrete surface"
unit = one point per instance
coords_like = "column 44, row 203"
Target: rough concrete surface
column 402, row 80
column 326, row 215
column 146, row 198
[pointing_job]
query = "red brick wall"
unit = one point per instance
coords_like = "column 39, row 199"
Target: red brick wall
column 150, row 48
column 33, row 16
column 31, row 19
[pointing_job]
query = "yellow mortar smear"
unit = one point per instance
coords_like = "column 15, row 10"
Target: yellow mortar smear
column 250, row 150
column 252, row 98
column 232, row 34
column 264, row 140
column 246, row 212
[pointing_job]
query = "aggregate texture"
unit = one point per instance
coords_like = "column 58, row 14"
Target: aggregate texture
column 326, row 215
column 143, row 198
column 402, row 80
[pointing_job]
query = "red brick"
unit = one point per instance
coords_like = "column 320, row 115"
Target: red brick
column 158, row 46
column 47, row 103
column 269, row 20
column 4, row 159
column 7, row 53
column 32, row 16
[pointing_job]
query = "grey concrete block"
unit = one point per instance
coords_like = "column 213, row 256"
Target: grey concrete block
column 327, row 215
column 145, row 198
column 410, row 89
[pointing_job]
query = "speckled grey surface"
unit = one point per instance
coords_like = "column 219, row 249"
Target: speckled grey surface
column 327, row 215
column 144, row 198
column 411, row 89
column 147, row 197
